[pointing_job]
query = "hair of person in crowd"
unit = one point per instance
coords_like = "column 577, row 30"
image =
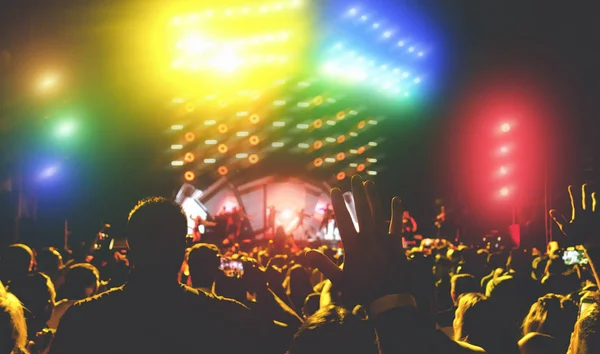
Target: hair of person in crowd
column 17, row 261
column 156, row 232
column 36, row 292
column 334, row 330
column 554, row 315
column 538, row 343
column 203, row 262
column 81, row 281
column 462, row 284
column 13, row 328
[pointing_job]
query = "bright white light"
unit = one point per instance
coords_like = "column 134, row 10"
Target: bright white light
column 372, row 173
column 177, row 163
column 279, row 124
column 401, row 44
column 504, row 192
column 376, row 25
column 210, row 122
column 65, row 129
column 411, row 49
column 417, row 80
column 387, row 34
column 279, row 103
column 176, row 147
column 302, row 126
column 303, row 146
column 303, row 104
column 503, row 170
column 372, row 143
column 49, row 172
column 353, row 164
column 48, row 82
column 177, row 127
column 421, row 54
column 242, row 155
column 210, row 160
column 330, row 140
column 210, row 142
column 372, row 160
column 363, row 18
column 277, row 144
column 352, row 11
column 330, row 160
column 503, row 149
column 505, row 128
column 405, row 74
column 242, row 134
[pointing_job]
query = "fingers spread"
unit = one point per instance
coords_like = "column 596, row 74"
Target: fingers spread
column 397, row 213
column 574, row 206
column 361, row 204
column 586, row 197
column 594, row 201
column 325, row 265
column 375, row 205
column 558, row 218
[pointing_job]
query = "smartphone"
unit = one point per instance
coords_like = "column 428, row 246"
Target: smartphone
column 340, row 252
column 573, row 256
column 232, row 268
column 585, row 304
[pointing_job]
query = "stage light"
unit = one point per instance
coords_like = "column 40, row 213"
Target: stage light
column 318, row 100
column 353, row 164
column 353, row 134
column 277, row 144
column 372, row 122
column 279, row 124
column 65, row 129
column 302, row 126
column 352, row 12
column 223, row 102
column 318, row 162
column 372, row 173
column 504, row 192
column 360, row 167
column 303, row 145
column 241, row 155
column 318, row 123
column 189, row 157
column 189, row 176
column 254, row 119
column 210, row 142
column 279, row 103
column 242, row 134
column 417, row 80
column 177, row 127
column 210, row 122
column 329, row 159
column 411, row 49
column 360, row 150
column 505, row 127
column 330, row 122
column 340, row 176
column 361, row 124
column 317, row 144
column 375, row 25
column 303, row 104
column 176, row 147
column 222, row 128
column 364, row 18
column 387, row 34
column 421, row 54
column 340, row 115
column 210, row 161
column 223, row 170
column 341, row 139
column 372, row 143
column 340, row 156
column 330, row 140
column 189, row 136
column 400, row 43
column 503, row 170
column 503, row 149
column 177, row 163
column 222, row 148
column 241, row 114
column 253, row 158
column 254, row 140
column 371, row 160
column 48, row 172
column 353, row 151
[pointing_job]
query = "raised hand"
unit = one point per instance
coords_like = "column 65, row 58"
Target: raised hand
column 584, row 226
column 374, row 262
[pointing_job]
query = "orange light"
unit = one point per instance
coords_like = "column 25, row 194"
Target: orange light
column 254, row 140
column 189, row 157
column 361, row 124
column 189, row 176
column 318, row 100
column 223, row 102
column 341, row 139
column 254, row 119
column 340, row 156
column 222, row 148
column 340, row 115
column 317, row 144
column 318, row 162
column 189, row 136
column 190, row 107
column 318, row 123
column 253, row 158
column 340, row 176
column 222, row 128
column 223, row 170
column 360, row 150
column 360, row 167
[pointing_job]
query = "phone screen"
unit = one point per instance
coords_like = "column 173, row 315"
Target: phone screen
column 585, row 304
column 574, row 256
column 232, row 268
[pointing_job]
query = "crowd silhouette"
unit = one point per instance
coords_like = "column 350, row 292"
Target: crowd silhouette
column 373, row 296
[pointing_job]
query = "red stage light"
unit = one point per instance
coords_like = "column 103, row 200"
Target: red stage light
column 318, row 144
column 360, row 167
column 189, row 157
column 223, row 170
column 222, row 128
column 189, row 136
column 504, row 191
column 361, row 124
column 341, row 139
column 254, row 140
column 505, row 127
column 503, row 170
column 318, row 123
column 254, row 119
column 253, row 158
column 189, row 176
column 360, row 150
column 340, row 176
column 340, row 156
column 222, row 148
column 318, row 162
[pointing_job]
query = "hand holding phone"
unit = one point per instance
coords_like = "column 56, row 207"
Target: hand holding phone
column 232, row 268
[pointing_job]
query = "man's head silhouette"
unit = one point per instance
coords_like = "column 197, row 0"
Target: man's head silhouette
column 156, row 232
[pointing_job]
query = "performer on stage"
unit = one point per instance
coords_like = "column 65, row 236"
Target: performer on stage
column 271, row 217
column 409, row 228
column 327, row 217
column 440, row 220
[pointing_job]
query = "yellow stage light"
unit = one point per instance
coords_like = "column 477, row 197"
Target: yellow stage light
column 360, row 167
column 222, row 148
column 189, row 157
column 223, row 170
column 318, row 123
column 340, row 176
column 189, row 176
column 340, row 156
column 361, row 124
column 254, row 140
column 361, row 150
column 189, row 136
column 340, row 115
column 318, row 162
column 317, row 144
column 254, row 119
column 341, row 139
column 222, row 128
column 253, row 158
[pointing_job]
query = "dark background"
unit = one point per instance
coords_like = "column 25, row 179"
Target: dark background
column 551, row 46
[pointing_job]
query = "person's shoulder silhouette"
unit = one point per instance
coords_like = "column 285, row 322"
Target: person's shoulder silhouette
column 153, row 313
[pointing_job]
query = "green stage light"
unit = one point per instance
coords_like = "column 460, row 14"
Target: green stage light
column 65, row 129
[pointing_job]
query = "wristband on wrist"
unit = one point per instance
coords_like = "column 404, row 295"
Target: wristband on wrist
column 388, row 302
